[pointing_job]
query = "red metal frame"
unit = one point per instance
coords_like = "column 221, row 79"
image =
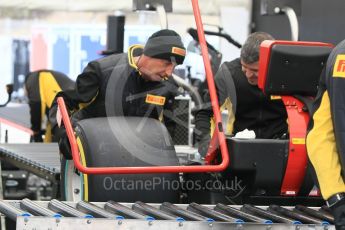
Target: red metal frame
column 212, row 149
column 297, row 160
column 218, row 135
column 160, row 169
column 297, row 119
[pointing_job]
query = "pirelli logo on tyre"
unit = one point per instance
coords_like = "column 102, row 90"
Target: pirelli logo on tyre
column 339, row 67
column 156, row 100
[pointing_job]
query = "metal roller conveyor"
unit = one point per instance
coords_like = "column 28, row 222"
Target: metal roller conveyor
column 154, row 212
column 240, row 214
column 37, row 209
column 311, row 212
column 212, row 213
column 326, row 209
column 66, row 210
column 12, row 212
column 187, row 215
column 96, row 211
column 195, row 216
column 297, row 215
column 275, row 217
column 116, row 208
column 41, row 159
column 326, row 213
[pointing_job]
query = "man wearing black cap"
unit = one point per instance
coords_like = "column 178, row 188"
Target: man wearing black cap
column 136, row 83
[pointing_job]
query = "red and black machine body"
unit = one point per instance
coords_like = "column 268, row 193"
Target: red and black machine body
column 263, row 170
column 292, row 70
column 278, row 168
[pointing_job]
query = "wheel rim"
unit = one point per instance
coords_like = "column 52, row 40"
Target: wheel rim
column 73, row 183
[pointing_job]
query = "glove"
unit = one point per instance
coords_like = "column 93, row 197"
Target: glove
column 60, row 136
column 37, row 137
column 195, row 159
column 338, row 211
column 202, row 145
column 65, row 147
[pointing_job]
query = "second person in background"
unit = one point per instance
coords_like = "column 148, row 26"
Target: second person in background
column 41, row 88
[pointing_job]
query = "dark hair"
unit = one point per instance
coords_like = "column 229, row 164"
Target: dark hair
column 251, row 48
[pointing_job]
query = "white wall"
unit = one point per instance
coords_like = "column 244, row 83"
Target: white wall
column 235, row 21
column 6, row 70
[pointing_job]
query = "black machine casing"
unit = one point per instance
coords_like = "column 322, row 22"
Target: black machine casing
column 265, row 159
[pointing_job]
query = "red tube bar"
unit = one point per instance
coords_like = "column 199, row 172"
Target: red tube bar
column 211, row 153
column 124, row 170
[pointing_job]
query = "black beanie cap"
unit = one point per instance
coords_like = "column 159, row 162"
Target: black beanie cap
column 167, row 45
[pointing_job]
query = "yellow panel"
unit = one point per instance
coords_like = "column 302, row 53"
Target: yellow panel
column 298, row 141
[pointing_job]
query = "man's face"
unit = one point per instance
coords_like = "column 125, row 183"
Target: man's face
column 155, row 69
column 251, row 71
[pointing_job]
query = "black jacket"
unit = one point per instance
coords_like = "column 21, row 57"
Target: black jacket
column 251, row 108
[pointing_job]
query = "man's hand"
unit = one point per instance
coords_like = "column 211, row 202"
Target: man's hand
column 65, row 148
column 37, row 136
column 338, row 211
